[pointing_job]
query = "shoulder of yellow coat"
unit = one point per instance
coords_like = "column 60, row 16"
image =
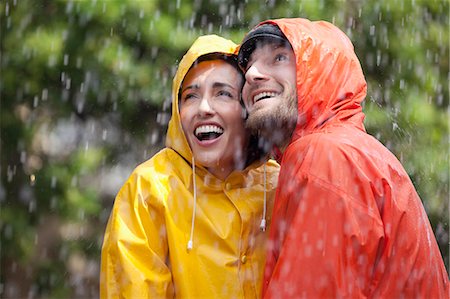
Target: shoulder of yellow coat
column 151, row 179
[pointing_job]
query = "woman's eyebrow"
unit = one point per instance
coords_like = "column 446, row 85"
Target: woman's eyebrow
column 222, row 84
column 193, row 86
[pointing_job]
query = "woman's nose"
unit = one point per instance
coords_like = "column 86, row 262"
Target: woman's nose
column 205, row 107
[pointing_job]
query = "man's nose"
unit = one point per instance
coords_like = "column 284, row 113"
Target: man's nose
column 255, row 73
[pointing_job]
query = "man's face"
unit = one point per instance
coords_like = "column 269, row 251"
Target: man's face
column 270, row 93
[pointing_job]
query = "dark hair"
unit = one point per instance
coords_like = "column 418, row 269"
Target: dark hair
column 256, row 150
column 257, row 37
column 231, row 59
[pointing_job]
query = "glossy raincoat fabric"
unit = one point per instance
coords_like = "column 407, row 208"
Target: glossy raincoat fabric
column 145, row 254
column 347, row 221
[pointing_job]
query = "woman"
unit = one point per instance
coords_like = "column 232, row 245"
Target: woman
column 187, row 222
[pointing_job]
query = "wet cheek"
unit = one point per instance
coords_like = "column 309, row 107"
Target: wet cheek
column 184, row 119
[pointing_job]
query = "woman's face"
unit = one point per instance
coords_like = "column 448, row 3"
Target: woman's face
column 211, row 116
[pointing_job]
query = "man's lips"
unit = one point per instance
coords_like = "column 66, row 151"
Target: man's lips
column 264, row 95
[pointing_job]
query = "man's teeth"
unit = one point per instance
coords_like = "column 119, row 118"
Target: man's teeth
column 208, row 129
column 262, row 95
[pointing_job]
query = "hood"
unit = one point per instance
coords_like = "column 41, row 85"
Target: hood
column 203, row 45
column 330, row 81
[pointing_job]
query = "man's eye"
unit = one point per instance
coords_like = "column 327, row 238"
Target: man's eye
column 281, row 57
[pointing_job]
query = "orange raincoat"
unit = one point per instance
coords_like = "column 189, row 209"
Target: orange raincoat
column 347, row 221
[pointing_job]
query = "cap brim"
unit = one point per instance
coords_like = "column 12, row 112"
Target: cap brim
column 247, row 48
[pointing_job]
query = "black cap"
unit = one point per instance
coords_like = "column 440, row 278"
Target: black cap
column 263, row 33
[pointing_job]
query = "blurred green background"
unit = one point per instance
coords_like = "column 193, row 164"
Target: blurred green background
column 85, row 97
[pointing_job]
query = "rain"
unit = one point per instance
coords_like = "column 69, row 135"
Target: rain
column 85, row 90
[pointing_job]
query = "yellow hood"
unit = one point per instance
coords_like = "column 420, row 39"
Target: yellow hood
column 207, row 44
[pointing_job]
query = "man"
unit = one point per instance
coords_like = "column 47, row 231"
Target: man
column 347, row 220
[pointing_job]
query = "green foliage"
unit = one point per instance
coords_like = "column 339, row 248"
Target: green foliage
column 85, row 93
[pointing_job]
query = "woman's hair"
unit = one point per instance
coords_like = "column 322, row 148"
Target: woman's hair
column 231, row 59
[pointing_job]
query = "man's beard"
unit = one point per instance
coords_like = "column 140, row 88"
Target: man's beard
column 275, row 126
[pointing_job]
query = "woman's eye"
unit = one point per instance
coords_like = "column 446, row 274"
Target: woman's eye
column 224, row 93
column 188, row 96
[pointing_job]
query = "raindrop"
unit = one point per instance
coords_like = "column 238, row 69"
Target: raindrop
column 154, row 52
column 51, row 60
column 154, row 137
column 32, row 206
column 66, row 59
column 378, row 57
column 68, row 81
column 44, row 94
column 81, row 214
column 104, row 135
column 65, row 95
column 11, row 172
column 8, row 231
column 79, row 61
column 440, row 100
column 395, row 126
column 7, row 9
column 23, row 157
column 65, row 35
column 53, row 203
column 74, row 181
column 80, row 103
column 69, row 7
column 35, row 101
column 53, row 182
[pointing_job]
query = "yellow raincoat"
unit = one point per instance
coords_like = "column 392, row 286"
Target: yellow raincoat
column 145, row 253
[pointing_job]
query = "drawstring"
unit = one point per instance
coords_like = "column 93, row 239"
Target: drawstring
column 190, row 243
column 262, row 226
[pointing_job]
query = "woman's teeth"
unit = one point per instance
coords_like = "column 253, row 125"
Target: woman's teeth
column 208, row 132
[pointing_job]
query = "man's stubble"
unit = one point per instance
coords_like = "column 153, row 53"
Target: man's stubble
column 275, row 126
